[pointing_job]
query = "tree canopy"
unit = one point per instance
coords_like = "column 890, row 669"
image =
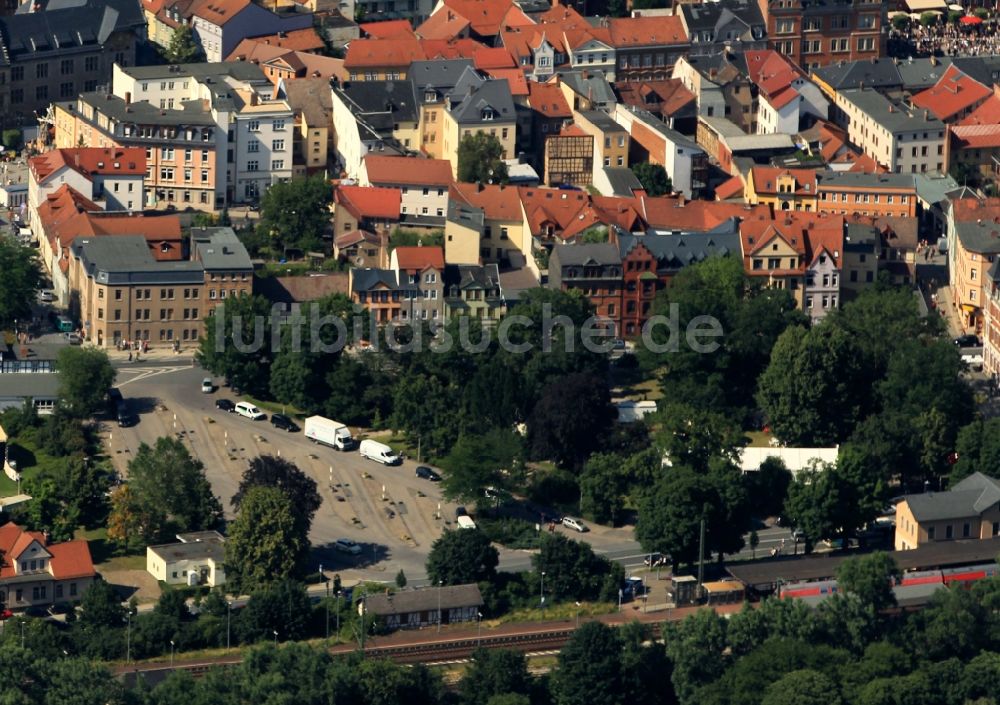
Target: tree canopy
column 480, row 159
column 653, row 178
column 461, row 556
column 19, row 283
column 85, row 375
column 295, row 213
column 267, row 542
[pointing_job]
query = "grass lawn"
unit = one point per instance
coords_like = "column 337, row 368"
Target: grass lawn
column 30, row 462
column 276, row 408
column 564, row 610
column 101, row 551
column 758, row 439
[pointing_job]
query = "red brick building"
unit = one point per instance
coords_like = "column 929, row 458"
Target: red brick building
column 815, row 33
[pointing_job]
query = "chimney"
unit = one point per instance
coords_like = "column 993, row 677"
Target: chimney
column 128, row 98
column 926, row 115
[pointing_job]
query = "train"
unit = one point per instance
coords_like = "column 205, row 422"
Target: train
column 946, row 577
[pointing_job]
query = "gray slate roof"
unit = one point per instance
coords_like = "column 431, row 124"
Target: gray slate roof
column 899, row 119
column 851, row 179
column 680, row 250
column 214, row 72
column 595, row 85
column 369, row 278
column 59, row 30
column 311, row 97
column 192, row 112
column 602, row 120
column 200, row 548
column 493, row 94
column 471, row 276
column 220, row 249
column 37, row 385
column 623, row 181
column 969, row 498
column 126, row 259
column 441, row 76
column 882, row 74
column 380, row 103
column 424, row 600
column 597, row 253
column 715, row 15
column 982, row 236
column 934, row 188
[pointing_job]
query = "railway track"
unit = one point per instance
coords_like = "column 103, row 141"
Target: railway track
column 432, row 651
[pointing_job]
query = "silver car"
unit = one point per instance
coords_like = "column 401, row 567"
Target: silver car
column 575, row 524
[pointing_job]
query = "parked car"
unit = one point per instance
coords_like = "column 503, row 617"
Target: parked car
column 460, row 512
column 575, row 524
column 74, row 339
column 225, row 405
column 379, row 452
column 973, row 361
column 347, row 546
column 283, row 422
column 967, row 340
column 207, row 385
column 248, row 410
column 126, row 417
column 426, row 473
column 658, row 559
column 46, row 296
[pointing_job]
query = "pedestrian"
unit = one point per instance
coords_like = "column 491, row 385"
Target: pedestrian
column 130, row 356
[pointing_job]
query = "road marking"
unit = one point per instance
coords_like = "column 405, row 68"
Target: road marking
column 148, row 372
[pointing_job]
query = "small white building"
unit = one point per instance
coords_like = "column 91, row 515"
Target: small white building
column 795, row 459
column 197, row 559
column 631, row 411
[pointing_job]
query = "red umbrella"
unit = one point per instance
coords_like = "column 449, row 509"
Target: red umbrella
column 970, row 20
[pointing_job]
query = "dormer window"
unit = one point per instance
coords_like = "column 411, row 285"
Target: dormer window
column 489, row 114
column 430, row 96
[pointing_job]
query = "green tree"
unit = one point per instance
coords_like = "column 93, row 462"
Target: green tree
column 85, row 375
column 480, row 159
column 166, row 478
column 603, row 487
column 476, row 462
column 101, row 606
column 461, row 556
column 236, row 343
column 401, row 579
column 589, row 668
column 296, row 213
column 183, row 49
column 495, row 672
column 803, row 687
column 809, row 390
column 19, row 283
column 768, row 487
column 426, row 407
column 282, row 606
column 671, row 512
column 572, row 570
column 815, row 503
column 284, row 475
column 870, row 578
column 132, row 523
column 266, row 541
column 653, row 178
column 978, row 450
column 572, row 416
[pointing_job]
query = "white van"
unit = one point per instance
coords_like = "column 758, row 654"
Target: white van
column 465, row 522
column 379, row 452
column 248, row 410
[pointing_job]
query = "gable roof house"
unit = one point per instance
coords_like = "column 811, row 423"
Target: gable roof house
column 422, row 184
column 34, row 572
column 970, row 509
column 954, row 96
column 475, row 105
column 647, row 48
column 787, row 99
column 368, row 208
column 220, row 25
column 311, row 101
column 113, row 176
column 729, row 25
column 422, row 268
column 481, row 20
column 412, row 609
column 474, row 290
column 373, row 116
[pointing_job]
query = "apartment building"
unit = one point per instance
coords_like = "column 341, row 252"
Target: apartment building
column 312, row 104
column 974, row 243
column 730, row 25
column 479, row 105
column 124, row 293
column 595, row 270
column 611, row 140
column 902, row 139
column 373, row 116
column 422, row 185
column 206, row 130
column 432, row 82
column 569, row 158
column 684, row 161
column 969, row 510
column 54, row 54
column 647, row 48
column 814, row 33
column 855, row 193
column 991, row 322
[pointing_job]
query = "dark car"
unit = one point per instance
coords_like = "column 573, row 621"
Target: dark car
column 126, row 417
column 225, row 405
column 283, row 422
column 461, row 512
column 426, row 473
column 967, row 341
column 114, row 399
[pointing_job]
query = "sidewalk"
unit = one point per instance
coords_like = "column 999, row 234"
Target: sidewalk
column 160, row 353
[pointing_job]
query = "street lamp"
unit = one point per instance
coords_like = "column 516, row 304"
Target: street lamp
column 171, row 653
column 128, row 637
column 22, row 633
column 229, row 614
column 275, row 638
column 440, row 585
column 541, row 591
column 578, row 605
column 479, row 628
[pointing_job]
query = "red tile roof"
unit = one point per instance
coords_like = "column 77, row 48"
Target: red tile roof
column 493, row 58
column 826, row 236
column 445, row 24
column 731, row 188
column 356, row 236
column 375, row 53
column 765, row 179
column 954, row 92
column 646, row 31
column 369, row 201
column 773, row 74
column 112, row 161
column 307, row 39
column 69, row 560
column 676, row 212
column 218, row 12
column 451, row 49
column 569, row 213
column 417, row 259
column 407, row 170
column 548, row 99
column 390, row 29
column 666, row 96
column 975, row 136
column 986, row 114
column 514, row 77
column 486, row 17
column 497, row 202
column 866, row 165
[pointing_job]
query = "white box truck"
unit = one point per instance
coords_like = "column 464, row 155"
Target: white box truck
column 379, row 452
column 465, row 522
column 329, row 432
